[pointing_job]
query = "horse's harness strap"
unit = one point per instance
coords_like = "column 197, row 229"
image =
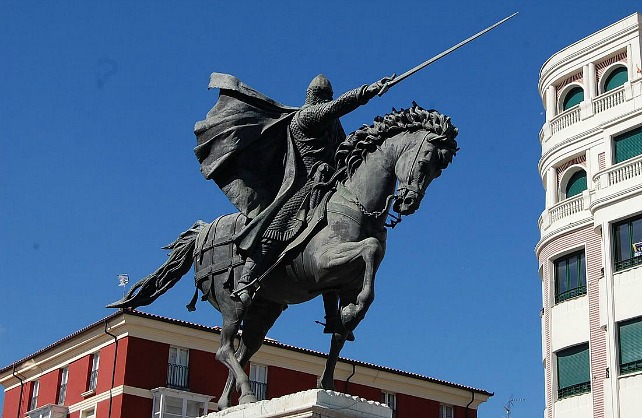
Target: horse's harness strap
column 217, row 268
column 355, row 214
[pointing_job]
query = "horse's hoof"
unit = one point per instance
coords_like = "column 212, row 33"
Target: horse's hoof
column 222, row 405
column 249, row 398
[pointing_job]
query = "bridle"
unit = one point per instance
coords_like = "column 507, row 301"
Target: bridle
column 395, row 218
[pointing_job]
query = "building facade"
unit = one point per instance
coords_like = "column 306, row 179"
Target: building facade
column 137, row 365
column 590, row 250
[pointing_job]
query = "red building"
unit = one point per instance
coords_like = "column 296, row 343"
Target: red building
column 133, row 365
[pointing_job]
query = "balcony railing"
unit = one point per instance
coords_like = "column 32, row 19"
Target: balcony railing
column 566, row 208
column 608, row 100
column 93, row 379
column 62, row 393
column 259, row 389
column 177, row 376
column 620, row 172
column 574, row 390
column 565, row 119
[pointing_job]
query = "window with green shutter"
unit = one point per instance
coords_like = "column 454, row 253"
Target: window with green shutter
column 627, row 243
column 630, row 345
column 570, row 277
column 628, row 145
column 574, row 97
column 576, row 184
column 573, row 371
column 616, row 78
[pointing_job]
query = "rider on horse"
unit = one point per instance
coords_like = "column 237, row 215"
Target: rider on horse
column 312, row 134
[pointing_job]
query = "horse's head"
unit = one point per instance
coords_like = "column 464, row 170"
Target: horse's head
column 420, row 143
column 424, row 155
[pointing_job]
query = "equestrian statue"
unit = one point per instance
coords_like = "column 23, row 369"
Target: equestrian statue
column 313, row 207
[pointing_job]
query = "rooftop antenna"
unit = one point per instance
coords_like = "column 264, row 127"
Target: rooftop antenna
column 509, row 405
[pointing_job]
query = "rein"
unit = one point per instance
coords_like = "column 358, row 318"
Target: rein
column 395, row 219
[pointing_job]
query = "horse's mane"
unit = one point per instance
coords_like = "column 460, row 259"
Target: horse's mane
column 353, row 150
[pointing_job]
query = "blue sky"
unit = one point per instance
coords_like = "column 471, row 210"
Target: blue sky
column 97, row 171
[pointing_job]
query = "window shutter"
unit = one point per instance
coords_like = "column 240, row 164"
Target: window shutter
column 576, row 184
column 628, row 145
column 573, row 97
column 631, row 341
column 573, row 366
column 618, row 77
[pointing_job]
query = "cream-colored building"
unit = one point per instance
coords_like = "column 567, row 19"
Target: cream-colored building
column 590, row 250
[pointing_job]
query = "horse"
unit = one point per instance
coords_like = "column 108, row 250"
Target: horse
column 340, row 253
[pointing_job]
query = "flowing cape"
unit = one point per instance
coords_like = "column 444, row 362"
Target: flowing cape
column 245, row 146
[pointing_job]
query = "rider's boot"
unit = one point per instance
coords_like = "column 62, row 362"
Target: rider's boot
column 243, row 287
column 332, row 316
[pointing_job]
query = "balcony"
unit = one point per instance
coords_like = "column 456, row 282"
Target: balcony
column 619, row 173
column 566, row 208
column 608, row 100
column 565, row 119
column 177, row 376
column 259, row 389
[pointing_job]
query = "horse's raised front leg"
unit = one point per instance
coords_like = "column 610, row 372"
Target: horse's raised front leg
column 353, row 308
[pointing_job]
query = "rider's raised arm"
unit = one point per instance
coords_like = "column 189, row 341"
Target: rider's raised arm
column 316, row 118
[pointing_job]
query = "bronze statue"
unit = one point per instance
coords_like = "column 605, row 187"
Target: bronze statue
column 313, row 207
column 334, row 235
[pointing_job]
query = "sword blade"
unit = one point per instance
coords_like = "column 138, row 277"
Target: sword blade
column 446, row 52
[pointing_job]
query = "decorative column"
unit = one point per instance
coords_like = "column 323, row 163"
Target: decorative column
column 551, row 103
column 551, row 187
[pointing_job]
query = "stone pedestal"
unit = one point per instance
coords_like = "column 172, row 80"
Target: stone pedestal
column 315, row 403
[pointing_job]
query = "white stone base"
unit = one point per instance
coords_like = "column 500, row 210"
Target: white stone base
column 314, row 403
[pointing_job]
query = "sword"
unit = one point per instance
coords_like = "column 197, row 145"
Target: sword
column 424, row 64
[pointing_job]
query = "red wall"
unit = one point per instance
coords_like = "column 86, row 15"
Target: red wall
column 146, row 365
column 48, row 392
column 411, row 406
column 12, row 400
column 77, row 379
column 134, row 405
column 206, row 375
column 283, row 381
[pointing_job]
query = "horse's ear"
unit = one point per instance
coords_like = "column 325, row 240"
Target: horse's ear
column 414, row 104
column 394, row 110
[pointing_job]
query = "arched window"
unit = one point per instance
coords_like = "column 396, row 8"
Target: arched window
column 573, row 97
column 576, row 184
column 616, row 78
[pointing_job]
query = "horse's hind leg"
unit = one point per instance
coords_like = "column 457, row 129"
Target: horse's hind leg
column 260, row 317
column 225, row 354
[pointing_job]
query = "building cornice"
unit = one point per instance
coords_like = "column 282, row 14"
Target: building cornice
column 565, row 56
column 559, row 232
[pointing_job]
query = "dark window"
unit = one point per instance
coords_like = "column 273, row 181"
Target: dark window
column 93, row 374
column 627, row 243
column 573, row 371
column 574, row 97
column 628, row 145
column 178, row 368
column 576, row 184
column 570, row 277
column 616, row 78
column 630, row 342
column 62, row 388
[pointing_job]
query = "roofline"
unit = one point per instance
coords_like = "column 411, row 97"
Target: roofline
column 267, row 341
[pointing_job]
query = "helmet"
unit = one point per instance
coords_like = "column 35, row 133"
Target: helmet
column 319, row 90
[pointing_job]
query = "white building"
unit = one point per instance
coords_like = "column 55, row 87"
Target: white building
column 590, row 250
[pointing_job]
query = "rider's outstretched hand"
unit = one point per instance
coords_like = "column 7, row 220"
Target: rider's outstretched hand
column 379, row 87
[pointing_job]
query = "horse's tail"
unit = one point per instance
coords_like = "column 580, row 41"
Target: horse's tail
column 180, row 260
